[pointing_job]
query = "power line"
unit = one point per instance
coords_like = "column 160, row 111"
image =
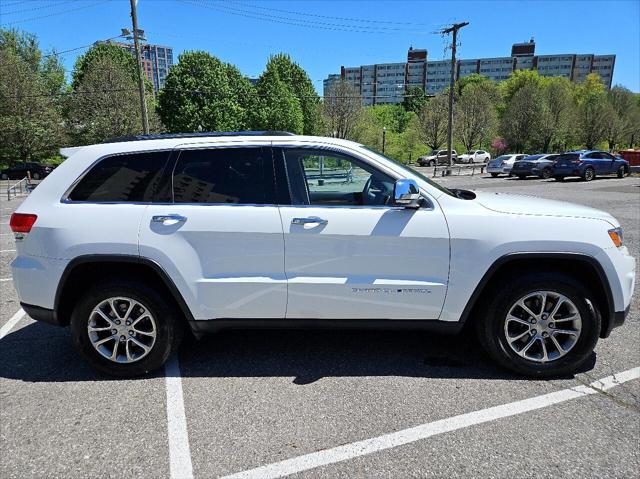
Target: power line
column 316, row 15
column 294, row 21
column 41, row 7
column 25, row 20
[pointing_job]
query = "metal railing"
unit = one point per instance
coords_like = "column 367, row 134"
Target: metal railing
column 458, row 169
column 22, row 187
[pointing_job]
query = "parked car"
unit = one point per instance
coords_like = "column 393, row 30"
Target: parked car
column 503, row 164
column 475, row 156
column 536, row 165
column 437, row 157
column 19, row 171
column 587, row 164
column 128, row 243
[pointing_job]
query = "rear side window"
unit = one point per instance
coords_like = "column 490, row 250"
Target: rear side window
column 224, row 175
column 568, row 157
column 131, row 177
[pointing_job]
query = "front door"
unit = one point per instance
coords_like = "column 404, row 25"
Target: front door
column 349, row 252
column 219, row 236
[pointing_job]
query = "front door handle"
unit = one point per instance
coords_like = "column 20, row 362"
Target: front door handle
column 167, row 218
column 309, row 220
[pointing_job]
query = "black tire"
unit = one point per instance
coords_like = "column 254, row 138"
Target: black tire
column 522, row 177
column 432, row 163
column 490, row 324
column 621, row 172
column 546, row 174
column 589, row 174
column 558, row 178
column 5, row 176
column 494, row 175
column 35, row 176
column 169, row 327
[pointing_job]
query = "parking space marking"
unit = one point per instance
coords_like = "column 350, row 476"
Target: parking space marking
column 5, row 279
column 179, row 451
column 424, row 431
column 8, row 326
column 7, row 250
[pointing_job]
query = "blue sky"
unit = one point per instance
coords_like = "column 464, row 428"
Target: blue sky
column 245, row 33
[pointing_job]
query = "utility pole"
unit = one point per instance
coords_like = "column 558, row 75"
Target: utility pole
column 143, row 100
column 452, row 29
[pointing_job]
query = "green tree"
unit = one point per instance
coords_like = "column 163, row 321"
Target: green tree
column 522, row 120
column 294, row 76
column 620, row 118
column 202, row 93
column 24, row 45
column 30, row 123
column 516, row 81
column 278, row 108
column 342, row 109
column 557, row 113
column 591, row 102
column 433, row 122
column 475, row 115
column 475, row 79
column 414, row 99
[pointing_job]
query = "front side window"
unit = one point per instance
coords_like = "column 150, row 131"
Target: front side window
column 132, row 177
column 324, row 177
column 224, row 175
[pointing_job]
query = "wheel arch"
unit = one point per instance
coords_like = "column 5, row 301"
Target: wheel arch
column 77, row 277
column 583, row 267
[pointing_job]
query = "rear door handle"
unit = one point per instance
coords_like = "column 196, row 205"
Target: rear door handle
column 167, row 218
column 309, row 220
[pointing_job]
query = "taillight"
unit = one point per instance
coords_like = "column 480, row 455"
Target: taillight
column 22, row 222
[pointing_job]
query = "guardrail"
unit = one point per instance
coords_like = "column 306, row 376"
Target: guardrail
column 458, row 169
column 22, row 187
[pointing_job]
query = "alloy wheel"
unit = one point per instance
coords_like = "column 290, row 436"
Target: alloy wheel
column 122, row 329
column 542, row 326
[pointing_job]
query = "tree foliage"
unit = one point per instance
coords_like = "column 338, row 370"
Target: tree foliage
column 278, row 107
column 30, row 123
column 202, row 93
column 297, row 80
column 414, row 99
column 591, row 102
column 342, row 108
column 621, row 116
column 432, row 121
column 522, row 119
column 475, row 115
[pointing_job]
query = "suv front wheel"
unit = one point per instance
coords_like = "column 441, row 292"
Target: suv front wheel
column 540, row 325
column 125, row 329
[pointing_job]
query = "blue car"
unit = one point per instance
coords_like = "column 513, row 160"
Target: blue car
column 586, row 164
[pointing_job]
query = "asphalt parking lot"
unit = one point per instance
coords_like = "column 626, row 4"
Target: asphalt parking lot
column 323, row 404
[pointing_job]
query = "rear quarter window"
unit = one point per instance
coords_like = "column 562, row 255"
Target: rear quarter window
column 131, row 177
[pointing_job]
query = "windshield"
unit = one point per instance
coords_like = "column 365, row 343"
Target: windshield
column 503, row 157
column 469, row 152
column 532, row 157
column 431, row 153
column 409, row 170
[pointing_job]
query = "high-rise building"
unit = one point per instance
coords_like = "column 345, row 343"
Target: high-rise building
column 388, row 82
column 156, row 61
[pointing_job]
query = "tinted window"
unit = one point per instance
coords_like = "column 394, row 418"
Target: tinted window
column 606, row 156
column 329, row 178
column 130, row 177
column 568, row 157
column 224, row 175
column 593, row 156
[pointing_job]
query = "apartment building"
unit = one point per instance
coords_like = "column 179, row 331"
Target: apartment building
column 388, row 82
column 156, row 61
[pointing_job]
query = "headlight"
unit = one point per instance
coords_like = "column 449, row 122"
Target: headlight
column 616, row 236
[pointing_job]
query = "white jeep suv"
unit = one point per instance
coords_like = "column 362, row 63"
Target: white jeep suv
column 130, row 242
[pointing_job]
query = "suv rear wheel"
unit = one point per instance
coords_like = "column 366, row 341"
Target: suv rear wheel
column 124, row 328
column 621, row 172
column 540, row 325
column 589, row 174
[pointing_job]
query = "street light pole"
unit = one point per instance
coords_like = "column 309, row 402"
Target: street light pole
column 452, row 29
column 143, row 100
column 384, row 137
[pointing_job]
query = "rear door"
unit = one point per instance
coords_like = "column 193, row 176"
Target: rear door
column 218, row 233
column 350, row 253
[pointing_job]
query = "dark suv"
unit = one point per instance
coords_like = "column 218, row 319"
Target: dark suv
column 19, row 171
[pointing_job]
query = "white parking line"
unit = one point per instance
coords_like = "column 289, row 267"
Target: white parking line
column 8, row 326
column 5, row 279
column 424, row 431
column 179, row 451
column 7, row 251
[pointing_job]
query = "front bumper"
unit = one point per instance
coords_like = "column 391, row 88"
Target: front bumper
column 41, row 314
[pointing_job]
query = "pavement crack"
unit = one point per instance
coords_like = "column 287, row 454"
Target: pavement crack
column 607, row 394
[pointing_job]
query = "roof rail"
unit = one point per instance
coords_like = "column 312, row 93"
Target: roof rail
column 200, row 134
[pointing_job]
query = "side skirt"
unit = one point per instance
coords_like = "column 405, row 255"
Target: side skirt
column 200, row 327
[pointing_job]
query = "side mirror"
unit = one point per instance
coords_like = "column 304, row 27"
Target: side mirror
column 406, row 193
